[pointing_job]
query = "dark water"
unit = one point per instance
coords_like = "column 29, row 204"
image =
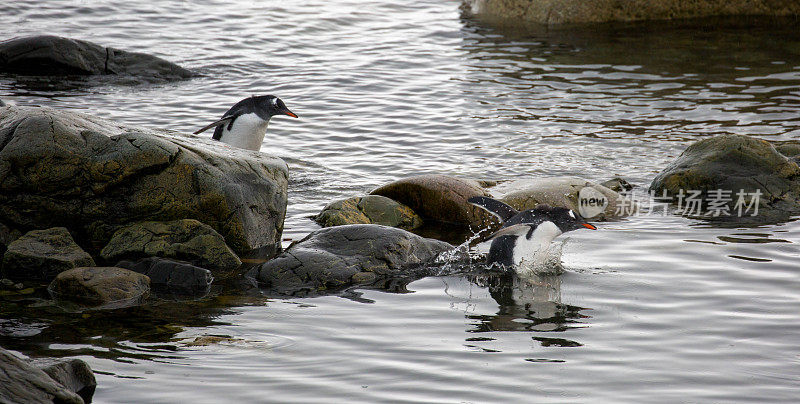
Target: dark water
column 651, row 309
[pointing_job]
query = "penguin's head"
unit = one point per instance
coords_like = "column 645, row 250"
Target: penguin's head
column 268, row 106
column 564, row 219
column 567, row 220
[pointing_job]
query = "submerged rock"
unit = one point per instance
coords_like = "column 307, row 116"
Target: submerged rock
column 22, row 382
column 48, row 55
column 370, row 209
column 101, row 286
column 172, row 277
column 440, row 198
column 733, row 164
column 59, row 168
column 43, row 254
column 343, row 255
column 593, row 201
column 185, row 239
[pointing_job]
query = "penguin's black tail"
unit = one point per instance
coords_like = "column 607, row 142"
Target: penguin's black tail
column 493, row 206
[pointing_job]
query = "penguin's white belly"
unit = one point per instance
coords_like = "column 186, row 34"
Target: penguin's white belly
column 532, row 254
column 247, row 132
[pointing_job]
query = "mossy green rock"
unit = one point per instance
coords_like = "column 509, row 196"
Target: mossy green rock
column 440, row 198
column 43, row 254
column 93, row 176
column 101, row 286
column 370, row 209
column 735, row 163
column 185, row 239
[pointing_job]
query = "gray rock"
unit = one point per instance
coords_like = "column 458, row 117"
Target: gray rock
column 74, row 374
column 735, row 163
column 21, row 382
column 48, row 55
column 562, row 192
column 554, row 12
column 172, row 277
column 440, row 198
column 109, row 287
column 370, row 209
column 343, row 255
column 43, row 254
column 185, row 239
column 59, row 168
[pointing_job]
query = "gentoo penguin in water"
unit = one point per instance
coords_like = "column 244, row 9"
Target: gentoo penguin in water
column 525, row 236
column 245, row 124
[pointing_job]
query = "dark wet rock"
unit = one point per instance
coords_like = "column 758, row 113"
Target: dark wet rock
column 185, row 239
column 344, row 255
column 566, row 192
column 74, row 374
column 173, row 277
column 101, row 286
column 48, row 55
column 370, row 209
column 440, row 198
column 21, row 382
column 93, row 176
column 43, row 254
column 7, row 235
column 734, row 163
column 8, row 284
column 617, row 184
column 599, row 11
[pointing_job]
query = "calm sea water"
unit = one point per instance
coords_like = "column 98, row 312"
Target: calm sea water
column 651, row 309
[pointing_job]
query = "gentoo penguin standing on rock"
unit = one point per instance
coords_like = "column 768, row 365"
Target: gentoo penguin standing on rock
column 525, row 236
column 245, row 124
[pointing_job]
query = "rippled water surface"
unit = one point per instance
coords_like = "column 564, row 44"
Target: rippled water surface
column 651, row 309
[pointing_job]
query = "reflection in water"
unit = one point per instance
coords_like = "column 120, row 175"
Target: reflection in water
column 528, row 304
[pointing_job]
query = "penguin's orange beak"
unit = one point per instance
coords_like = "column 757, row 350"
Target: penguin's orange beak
column 589, row 226
column 290, row 113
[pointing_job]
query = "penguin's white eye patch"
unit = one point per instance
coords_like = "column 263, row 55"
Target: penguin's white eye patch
column 274, row 101
column 571, row 214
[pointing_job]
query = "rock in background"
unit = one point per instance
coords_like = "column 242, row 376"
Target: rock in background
column 93, row 176
column 48, row 55
column 370, row 209
column 562, row 192
column 735, row 163
column 440, row 198
column 552, row 12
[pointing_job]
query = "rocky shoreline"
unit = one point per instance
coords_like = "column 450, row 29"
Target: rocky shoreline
column 106, row 216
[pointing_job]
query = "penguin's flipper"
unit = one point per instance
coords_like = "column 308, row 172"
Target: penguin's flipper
column 493, row 206
column 215, row 124
column 517, row 230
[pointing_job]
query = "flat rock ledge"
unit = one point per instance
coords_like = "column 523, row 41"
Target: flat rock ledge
column 341, row 256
